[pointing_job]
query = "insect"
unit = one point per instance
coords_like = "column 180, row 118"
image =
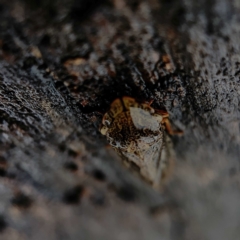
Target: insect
column 137, row 132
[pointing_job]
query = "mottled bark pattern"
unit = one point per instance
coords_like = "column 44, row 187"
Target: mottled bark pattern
column 62, row 63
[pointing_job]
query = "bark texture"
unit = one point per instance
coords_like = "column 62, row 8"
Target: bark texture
column 62, row 63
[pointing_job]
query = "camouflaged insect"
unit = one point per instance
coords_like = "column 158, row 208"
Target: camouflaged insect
column 136, row 131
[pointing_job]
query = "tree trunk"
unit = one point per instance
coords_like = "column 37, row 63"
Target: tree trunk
column 62, row 63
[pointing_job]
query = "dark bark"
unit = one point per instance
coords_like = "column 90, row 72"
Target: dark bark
column 61, row 65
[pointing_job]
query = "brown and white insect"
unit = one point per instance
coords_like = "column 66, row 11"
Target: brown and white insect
column 136, row 131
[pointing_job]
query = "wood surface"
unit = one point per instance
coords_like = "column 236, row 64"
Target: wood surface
column 62, row 63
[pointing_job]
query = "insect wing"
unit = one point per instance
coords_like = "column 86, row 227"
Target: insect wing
column 147, row 159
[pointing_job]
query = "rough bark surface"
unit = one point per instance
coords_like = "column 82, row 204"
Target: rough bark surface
column 61, row 65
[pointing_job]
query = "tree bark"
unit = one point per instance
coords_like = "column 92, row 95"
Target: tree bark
column 62, row 63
